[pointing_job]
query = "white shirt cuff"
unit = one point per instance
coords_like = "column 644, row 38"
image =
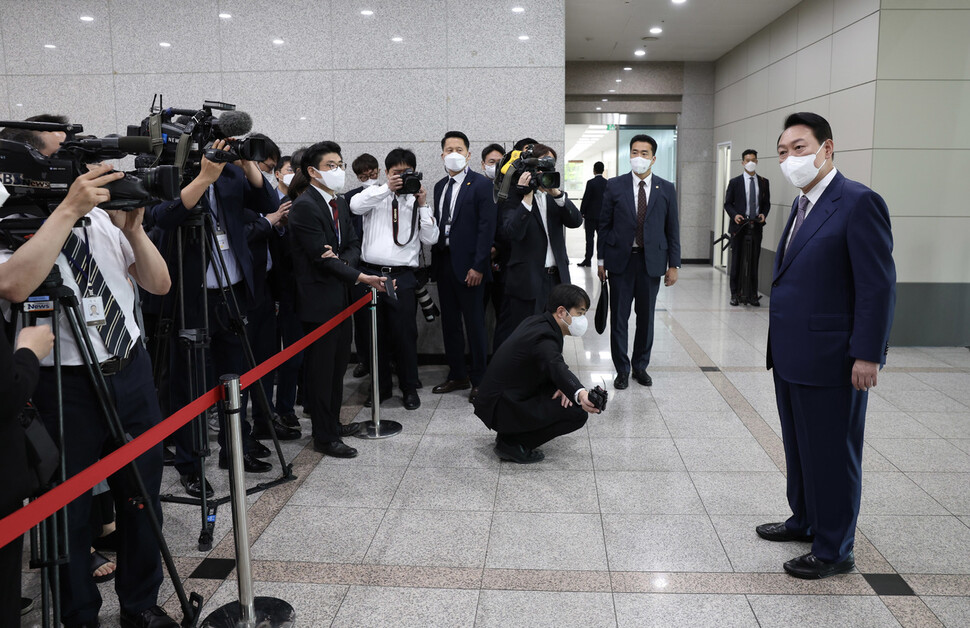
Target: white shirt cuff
column 576, row 396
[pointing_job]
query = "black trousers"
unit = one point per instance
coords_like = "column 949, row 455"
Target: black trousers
column 86, row 439
column 495, row 294
column 397, row 333
column 462, row 307
column 515, row 309
column 325, row 364
column 737, row 243
column 537, row 421
column 264, row 341
column 362, row 330
column 590, row 226
column 10, row 575
column 632, row 288
column 288, row 375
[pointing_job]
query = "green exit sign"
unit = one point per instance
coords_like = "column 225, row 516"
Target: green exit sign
column 610, row 127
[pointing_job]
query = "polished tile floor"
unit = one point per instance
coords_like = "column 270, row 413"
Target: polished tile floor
column 643, row 518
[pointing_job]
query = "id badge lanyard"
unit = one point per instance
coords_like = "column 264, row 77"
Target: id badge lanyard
column 92, row 305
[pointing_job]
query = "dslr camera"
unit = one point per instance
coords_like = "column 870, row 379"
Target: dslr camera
column 410, row 182
column 598, row 397
column 517, row 163
column 37, row 184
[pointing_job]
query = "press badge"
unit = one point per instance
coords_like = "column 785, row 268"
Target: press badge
column 222, row 240
column 448, row 230
column 93, row 311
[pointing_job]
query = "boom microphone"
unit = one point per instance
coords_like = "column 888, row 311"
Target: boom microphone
column 234, row 124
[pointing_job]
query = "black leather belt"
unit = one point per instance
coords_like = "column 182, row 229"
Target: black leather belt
column 387, row 270
column 111, row 366
column 551, row 270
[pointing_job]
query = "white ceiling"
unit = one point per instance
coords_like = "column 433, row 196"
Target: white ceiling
column 697, row 30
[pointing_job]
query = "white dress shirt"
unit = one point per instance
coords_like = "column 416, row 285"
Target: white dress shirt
column 455, row 188
column 377, row 241
column 813, row 195
column 112, row 253
column 747, row 194
column 636, row 190
column 541, row 203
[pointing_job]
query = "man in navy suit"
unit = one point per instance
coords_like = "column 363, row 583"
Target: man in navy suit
column 747, row 198
column 832, row 298
column 461, row 261
column 533, row 222
column 639, row 242
column 590, row 208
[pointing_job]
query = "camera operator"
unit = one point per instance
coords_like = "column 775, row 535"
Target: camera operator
column 529, row 396
column 395, row 226
column 95, row 262
column 367, row 170
column 495, row 289
column 532, row 223
column 223, row 190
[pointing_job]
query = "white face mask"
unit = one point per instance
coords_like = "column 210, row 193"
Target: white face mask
column 271, row 179
column 369, row 182
column 333, row 179
column 801, row 171
column 490, row 171
column 4, row 195
column 641, row 165
column 579, row 325
column 750, row 166
column 455, row 162
column 288, row 179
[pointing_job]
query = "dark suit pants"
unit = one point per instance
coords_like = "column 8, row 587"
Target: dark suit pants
column 362, row 325
column 629, row 289
column 288, row 374
column 495, row 294
column 326, row 364
column 515, row 309
column 264, row 341
column 86, row 439
column 10, row 571
column 397, row 334
column 822, row 429
column 226, row 355
column 536, row 422
column 590, row 226
column 737, row 243
column 462, row 304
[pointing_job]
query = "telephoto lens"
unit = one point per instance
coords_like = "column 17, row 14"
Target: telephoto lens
column 428, row 308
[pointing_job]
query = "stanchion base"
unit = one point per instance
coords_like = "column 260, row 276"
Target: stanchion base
column 270, row 613
column 386, row 430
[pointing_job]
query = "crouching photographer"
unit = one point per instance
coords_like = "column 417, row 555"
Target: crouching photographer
column 529, row 396
column 94, row 262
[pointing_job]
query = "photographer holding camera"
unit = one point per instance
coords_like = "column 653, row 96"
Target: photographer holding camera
column 533, row 219
column 95, row 263
column 529, row 395
column 397, row 220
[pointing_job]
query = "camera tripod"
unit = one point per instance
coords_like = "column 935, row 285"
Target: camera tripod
column 49, row 540
column 199, row 231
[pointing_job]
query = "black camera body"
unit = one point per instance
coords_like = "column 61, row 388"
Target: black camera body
column 598, row 397
column 410, row 182
column 516, row 163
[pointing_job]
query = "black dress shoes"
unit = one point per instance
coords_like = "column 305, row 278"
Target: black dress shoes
column 361, row 369
column 755, row 302
column 780, row 532
column 735, row 302
column 584, row 264
column 261, row 431
column 370, row 399
column 290, row 420
column 517, row 453
column 259, row 450
column 350, row 429
column 810, row 567
column 622, row 381
column 642, row 378
column 411, row 400
column 452, row 385
column 335, row 449
column 154, row 617
column 473, row 395
column 251, row 464
column 192, row 484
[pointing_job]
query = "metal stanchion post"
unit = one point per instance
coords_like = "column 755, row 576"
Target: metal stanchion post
column 248, row 612
column 376, row 428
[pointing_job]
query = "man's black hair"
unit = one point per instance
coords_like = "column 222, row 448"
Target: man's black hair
column 644, row 138
column 820, row 126
column 524, row 142
column 568, row 296
column 48, row 117
column 749, row 151
column 285, row 159
column 364, row 162
column 458, row 134
column 598, row 167
column 538, row 150
column 400, row 156
column 313, row 155
column 491, row 148
column 272, row 150
column 300, row 183
column 24, row 136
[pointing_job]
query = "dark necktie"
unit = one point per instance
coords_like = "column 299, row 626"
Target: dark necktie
column 752, row 199
column 799, row 219
column 336, row 218
column 641, row 212
column 445, row 213
column 113, row 332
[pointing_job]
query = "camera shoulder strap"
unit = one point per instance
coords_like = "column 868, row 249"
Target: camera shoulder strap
column 395, row 221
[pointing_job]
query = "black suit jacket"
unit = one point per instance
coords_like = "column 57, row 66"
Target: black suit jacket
column 618, row 226
column 527, row 240
column 263, row 242
column 736, row 200
column 593, row 200
column 19, row 373
column 358, row 221
column 526, row 369
column 472, row 225
column 322, row 284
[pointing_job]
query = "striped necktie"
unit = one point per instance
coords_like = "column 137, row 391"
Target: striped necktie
column 113, row 331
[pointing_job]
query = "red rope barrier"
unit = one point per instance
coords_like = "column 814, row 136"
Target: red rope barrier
column 16, row 523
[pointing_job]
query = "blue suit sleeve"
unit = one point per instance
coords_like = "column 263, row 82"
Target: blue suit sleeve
column 485, row 207
column 870, row 243
column 672, row 228
column 605, row 222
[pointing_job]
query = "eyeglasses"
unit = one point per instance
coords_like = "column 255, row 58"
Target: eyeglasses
column 334, row 166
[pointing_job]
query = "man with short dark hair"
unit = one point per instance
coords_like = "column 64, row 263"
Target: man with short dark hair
column 367, row 170
column 832, row 298
column 747, row 198
column 639, row 242
column 491, row 156
column 590, row 208
column 529, row 396
column 495, row 288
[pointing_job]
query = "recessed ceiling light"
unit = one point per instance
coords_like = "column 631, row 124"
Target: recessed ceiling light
column 20, row 104
column 640, row 52
column 397, row 39
column 523, row 37
column 164, row 44
column 87, row 18
column 367, row 12
column 302, row 117
column 656, row 30
column 606, row 100
column 678, row 1
column 627, row 69
column 278, row 42
column 226, row 16
column 611, row 90
column 518, row 10
column 599, row 108
column 49, row 46
column 619, row 80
